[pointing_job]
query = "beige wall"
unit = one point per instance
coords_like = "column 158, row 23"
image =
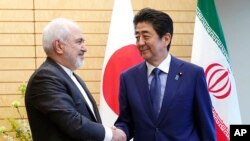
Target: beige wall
column 21, row 23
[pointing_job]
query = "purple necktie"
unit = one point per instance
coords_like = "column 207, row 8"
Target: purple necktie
column 155, row 91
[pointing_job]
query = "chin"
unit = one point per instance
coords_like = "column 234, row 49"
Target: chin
column 146, row 56
column 79, row 64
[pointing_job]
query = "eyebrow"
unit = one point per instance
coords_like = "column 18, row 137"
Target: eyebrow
column 143, row 31
column 80, row 39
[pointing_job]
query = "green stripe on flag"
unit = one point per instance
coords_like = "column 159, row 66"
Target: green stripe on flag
column 207, row 13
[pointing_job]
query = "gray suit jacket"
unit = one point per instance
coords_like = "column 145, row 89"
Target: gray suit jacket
column 56, row 109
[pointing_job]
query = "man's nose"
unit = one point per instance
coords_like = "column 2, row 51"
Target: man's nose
column 141, row 41
column 83, row 48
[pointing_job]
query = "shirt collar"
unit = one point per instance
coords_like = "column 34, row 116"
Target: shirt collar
column 67, row 70
column 164, row 65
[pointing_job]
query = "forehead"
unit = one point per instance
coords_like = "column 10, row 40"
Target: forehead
column 144, row 27
column 76, row 33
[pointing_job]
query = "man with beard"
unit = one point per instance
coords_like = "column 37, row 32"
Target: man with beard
column 58, row 103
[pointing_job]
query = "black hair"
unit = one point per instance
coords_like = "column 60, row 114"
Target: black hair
column 161, row 22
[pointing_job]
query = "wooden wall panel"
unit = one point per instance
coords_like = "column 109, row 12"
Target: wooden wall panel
column 95, row 51
column 16, row 4
column 17, row 63
column 96, row 97
column 16, row 51
column 102, row 16
column 74, row 4
column 11, row 27
column 6, row 100
column 182, row 39
column 40, row 52
column 86, row 27
column 10, row 88
column 4, row 122
column 22, row 21
column 17, row 39
column 90, row 75
column 16, row 15
column 181, row 51
column 182, row 16
column 177, row 5
column 93, row 86
column 39, row 61
column 77, row 15
column 93, row 63
column 11, row 112
column 15, row 75
column 185, row 28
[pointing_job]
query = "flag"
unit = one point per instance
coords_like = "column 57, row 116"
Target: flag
column 121, row 53
column 210, row 51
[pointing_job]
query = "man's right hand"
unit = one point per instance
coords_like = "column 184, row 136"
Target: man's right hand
column 118, row 134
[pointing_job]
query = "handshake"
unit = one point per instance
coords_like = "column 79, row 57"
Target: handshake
column 118, row 134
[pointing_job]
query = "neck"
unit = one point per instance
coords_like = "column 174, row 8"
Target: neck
column 156, row 62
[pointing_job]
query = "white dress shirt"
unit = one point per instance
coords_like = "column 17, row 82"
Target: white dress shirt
column 164, row 67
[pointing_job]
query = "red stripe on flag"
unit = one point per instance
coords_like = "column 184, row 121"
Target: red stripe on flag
column 222, row 131
column 220, row 135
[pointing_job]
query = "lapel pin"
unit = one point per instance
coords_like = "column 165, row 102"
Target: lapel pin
column 178, row 75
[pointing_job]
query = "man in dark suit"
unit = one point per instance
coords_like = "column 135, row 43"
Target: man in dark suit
column 58, row 103
column 163, row 98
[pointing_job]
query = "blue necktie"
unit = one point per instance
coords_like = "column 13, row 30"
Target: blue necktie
column 155, row 91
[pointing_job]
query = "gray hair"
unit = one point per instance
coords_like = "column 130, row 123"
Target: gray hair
column 57, row 29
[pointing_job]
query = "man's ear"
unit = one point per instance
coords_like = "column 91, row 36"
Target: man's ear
column 58, row 47
column 167, row 39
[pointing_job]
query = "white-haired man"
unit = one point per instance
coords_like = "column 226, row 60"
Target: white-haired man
column 58, row 103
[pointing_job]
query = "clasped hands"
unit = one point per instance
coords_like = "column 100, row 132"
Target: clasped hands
column 118, row 134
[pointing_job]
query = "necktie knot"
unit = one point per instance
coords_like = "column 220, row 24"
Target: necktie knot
column 156, row 71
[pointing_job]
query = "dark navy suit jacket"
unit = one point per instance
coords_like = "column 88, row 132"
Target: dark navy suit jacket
column 186, row 112
column 57, row 111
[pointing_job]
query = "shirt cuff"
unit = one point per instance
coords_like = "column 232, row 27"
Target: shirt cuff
column 108, row 134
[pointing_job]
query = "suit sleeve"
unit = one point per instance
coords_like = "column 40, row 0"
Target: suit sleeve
column 49, row 95
column 203, row 109
column 124, row 121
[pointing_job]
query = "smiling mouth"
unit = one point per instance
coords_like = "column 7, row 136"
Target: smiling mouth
column 144, row 50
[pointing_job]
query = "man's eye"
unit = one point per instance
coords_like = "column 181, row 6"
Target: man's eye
column 146, row 37
column 80, row 41
column 137, row 38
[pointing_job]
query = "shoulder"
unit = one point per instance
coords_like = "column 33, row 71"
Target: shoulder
column 134, row 69
column 191, row 69
column 49, row 70
column 185, row 64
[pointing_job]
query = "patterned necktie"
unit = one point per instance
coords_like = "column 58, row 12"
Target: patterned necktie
column 155, row 91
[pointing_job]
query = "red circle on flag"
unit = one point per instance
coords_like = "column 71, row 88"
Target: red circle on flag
column 121, row 60
column 218, row 80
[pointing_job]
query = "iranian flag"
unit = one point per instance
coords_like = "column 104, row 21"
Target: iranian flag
column 121, row 53
column 210, row 51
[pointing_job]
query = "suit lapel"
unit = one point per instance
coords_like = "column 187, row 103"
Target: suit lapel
column 142, row 79
column 97, row 115
column 98, row 118
column 171, row 86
